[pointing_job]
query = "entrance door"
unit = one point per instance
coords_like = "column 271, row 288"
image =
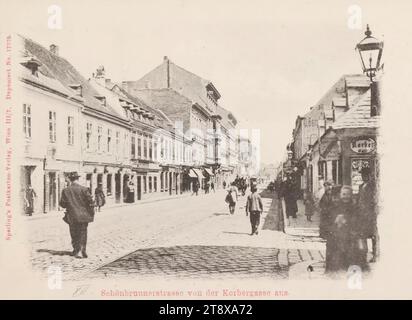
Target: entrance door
column 170, row 183
column 117, row 187
column 139, row 188
column 52, row 191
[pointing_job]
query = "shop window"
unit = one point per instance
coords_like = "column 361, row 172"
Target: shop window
column 335, row 171
column 150, row 185
column 144, row 184
column 155, row 184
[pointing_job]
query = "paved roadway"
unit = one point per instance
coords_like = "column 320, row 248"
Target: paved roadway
column 188, row 237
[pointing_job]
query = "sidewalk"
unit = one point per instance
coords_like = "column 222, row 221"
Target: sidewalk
column 301, row 226
column 58, row 213
column 300, row 229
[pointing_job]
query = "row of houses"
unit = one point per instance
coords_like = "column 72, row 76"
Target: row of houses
column 153, row 137
column 336, row 138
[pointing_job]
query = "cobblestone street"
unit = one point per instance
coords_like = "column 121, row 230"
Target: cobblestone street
column 170, row 239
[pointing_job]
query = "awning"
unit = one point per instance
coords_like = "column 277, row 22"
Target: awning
column 199, row 173
column 209, row 172
column 192, row 174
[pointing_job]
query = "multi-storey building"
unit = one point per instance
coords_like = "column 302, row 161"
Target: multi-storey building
column 138, row 140
column 49, row 114
column 192, row 102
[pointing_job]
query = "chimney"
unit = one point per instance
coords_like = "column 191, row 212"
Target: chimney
column 54, row 49
column 99, row 76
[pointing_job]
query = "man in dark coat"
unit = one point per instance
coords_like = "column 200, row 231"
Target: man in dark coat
column 326, row 204
column 79, row 206
column 290, row 196
column 367, row 202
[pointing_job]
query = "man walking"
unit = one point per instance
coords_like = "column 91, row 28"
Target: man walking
column 254, row 207
column 367, row 202
column 79, row 206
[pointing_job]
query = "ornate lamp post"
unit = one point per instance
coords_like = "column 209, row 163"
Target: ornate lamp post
column 370, row 51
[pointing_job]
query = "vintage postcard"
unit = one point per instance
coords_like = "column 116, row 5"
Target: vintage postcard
column 204, row 150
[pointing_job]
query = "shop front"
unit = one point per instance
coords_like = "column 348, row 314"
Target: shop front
column 359, row 150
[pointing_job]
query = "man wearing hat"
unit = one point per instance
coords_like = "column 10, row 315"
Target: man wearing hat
column 367, row 202
column 79, row 206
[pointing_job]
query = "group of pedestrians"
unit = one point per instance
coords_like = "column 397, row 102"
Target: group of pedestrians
column 253, row 207
column 347, row 222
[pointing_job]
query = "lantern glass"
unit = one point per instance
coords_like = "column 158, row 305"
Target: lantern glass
column 370, row 59
column 370, row 51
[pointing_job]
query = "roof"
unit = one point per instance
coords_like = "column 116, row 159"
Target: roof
column 228, row 119
column 188, row 84
column 357, row 81
column 170, row 104
column 358, row 116
column 58, row 68
column 47, row 82
column 335, row 94
column 339, row 102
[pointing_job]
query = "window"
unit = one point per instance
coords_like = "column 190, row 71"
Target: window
column 144, row 184
column 133, row 147
column 109, row 141
column 88, row 135
column 162, row 148
column 145, row 147
column 125, row 148
column 70, row 130
column 27, row 120
column 155, row 184
column 52, row 126
column 155, row 149
column 150, row 184
column 150, row 148
column 117, row 142
column 109, row 184
column 139, row 146
column 99, row 138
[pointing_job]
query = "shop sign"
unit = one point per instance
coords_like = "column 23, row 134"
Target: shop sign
column 363, row 145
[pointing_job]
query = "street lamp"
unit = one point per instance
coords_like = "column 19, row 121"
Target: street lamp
column 370, row 51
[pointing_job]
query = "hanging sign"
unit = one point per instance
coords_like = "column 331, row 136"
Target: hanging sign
column 363, row 145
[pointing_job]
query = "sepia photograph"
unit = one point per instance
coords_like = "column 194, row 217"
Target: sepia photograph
column 201, row 150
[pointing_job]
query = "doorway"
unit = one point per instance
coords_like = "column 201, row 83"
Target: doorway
column 139, row 188
column 52, row 192
column 117, row 182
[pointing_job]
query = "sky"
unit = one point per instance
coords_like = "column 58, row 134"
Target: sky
column 270, row 60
